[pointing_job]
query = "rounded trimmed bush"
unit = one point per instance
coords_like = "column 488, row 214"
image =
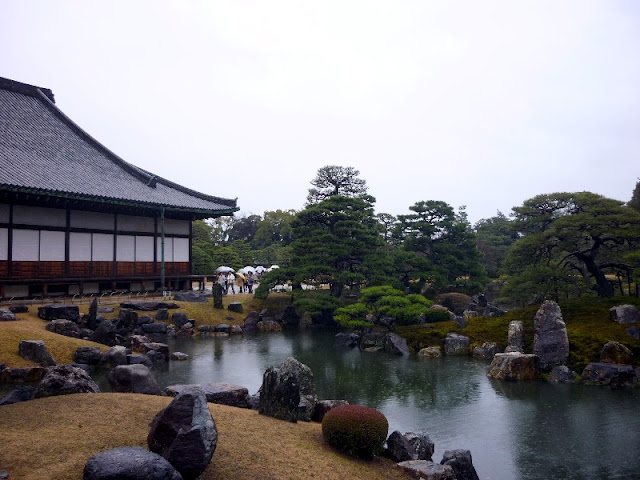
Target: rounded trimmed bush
column 355, row 429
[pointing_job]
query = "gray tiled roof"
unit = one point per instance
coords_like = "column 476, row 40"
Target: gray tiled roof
column 41, row 149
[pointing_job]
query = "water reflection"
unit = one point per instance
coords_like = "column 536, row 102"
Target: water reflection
column 527, row 430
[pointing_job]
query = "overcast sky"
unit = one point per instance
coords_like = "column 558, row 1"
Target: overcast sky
column 476, row 103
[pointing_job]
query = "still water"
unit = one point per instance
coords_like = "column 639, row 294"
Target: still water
column 526, row 430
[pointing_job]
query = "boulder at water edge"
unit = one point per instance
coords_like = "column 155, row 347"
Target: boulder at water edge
column 456, row 344
column 430, row 352
column 133, row 379
column 115, row 356
column 610, row 374
column 561, row 374
column 88, row 355
column 616, row 352
column 427, row 470
column 514, row 366
column 550, row 341
column 185, row 434
column 129, row 463
column 486, row 351
column 65, row 380
column 220, row 393
column 396, row 345
column 461, row 463
column 288, row 392
column 410, row 446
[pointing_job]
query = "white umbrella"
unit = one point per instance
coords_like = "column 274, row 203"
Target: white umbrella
column 260, row 269
column 247, row 269
column 273, row 267
column 224, row 269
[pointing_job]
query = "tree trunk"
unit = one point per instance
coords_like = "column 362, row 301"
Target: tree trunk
column 335, row 289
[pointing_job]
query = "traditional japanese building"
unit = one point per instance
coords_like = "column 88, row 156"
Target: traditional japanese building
column 76, row 218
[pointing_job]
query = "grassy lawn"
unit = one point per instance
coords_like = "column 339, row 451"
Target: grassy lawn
column 56, row 446
column 30, row 327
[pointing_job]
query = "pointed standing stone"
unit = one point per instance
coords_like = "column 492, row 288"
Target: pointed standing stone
column 550, row 341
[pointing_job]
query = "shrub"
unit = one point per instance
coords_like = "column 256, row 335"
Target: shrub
column 456, row 302
column 352, row 316
column 355, row 429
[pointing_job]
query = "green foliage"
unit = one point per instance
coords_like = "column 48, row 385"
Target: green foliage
column 494, row 236
column 357, row 430
column 436, row 315
column 334, row 180
column 319, row 304
column 333, row 242
column 443, row 249
column 581, row 233
column 383, row 300
column 635, row 198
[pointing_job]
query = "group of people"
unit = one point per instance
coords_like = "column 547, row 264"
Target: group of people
column 229, row 281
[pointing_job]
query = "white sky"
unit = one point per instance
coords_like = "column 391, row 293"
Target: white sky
column 477, row 103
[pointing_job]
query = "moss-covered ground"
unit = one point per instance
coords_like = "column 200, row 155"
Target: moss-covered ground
column 589, row 327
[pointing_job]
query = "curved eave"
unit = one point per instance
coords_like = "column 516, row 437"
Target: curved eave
column 115, row 203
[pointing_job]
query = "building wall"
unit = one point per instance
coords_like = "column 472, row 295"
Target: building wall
column 43, row 243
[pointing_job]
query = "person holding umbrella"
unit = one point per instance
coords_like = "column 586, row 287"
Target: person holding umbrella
column 250, row 282
column 231, row 282
column 240, row 280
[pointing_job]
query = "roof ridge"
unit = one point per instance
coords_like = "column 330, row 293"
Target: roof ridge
column 26, row 89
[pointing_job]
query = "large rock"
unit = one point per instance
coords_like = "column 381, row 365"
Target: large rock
column 456, row 344
column 127, row 318
column 68, row 328
column 396, row 345
column 179, row 319
column 139, row 358
column 36, row 351
column 235, row 307
column 67, row 312
column 92, row 317
column 88, row 355
column 105, row 333
column 289, row 317
column 65, row 380
column 610, row 374
column 250, row 322
column 515, row 337
column 323, row 406
column 634, row 332
column 220, row 393
column 22, row 374
column 561, row 374
column 410, row 446
column 7, row 315
column 148, row 306
column 624, row 314
column 190, row 297
column 185, row 434
column 616, row 352
column 133, row 379
column 514, row 366
column 269, row 326
column 157, row 352
column 398, row 448
column 427, row 470
column 550, row 341
column 115, row 356
column 20, row 394
column 129, row 463
column 373, row 340
column 347, row 340
column 430, row 352
column 486, row 351
column 156, row 327
column 461, row 463
column 288, row 392
column 18, row 308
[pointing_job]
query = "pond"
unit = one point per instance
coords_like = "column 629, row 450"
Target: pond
column 515, row 430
